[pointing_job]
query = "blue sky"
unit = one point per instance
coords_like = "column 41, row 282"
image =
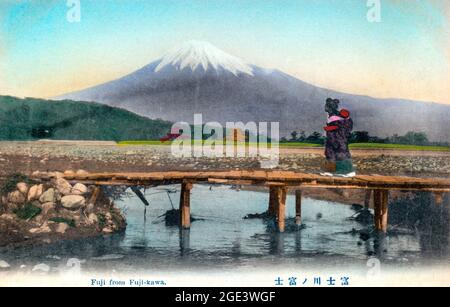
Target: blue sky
column 326, row 42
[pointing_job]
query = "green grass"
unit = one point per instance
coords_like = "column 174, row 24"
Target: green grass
column 168, row 143
column 71, row 223
column 312, row 145
column 373, row 146
column 299, row 144
column 27, row 211
column 133, row 143
column 12, row 180
column 398, row 147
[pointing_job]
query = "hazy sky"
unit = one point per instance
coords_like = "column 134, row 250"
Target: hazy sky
column 329, row 43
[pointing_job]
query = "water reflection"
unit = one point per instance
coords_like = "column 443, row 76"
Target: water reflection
column 185, row 236
column 223, row 238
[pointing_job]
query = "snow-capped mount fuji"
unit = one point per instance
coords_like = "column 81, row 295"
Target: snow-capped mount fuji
column 200, row 78
column 197, row 55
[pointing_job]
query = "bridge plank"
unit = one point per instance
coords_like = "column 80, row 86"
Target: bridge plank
column 264, row 177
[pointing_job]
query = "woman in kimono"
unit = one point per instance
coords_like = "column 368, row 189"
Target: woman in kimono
column 338, row 132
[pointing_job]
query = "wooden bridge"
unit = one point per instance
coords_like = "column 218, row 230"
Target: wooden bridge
column 277, row 182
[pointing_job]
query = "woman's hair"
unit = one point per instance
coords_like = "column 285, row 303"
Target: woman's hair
column 332, row 105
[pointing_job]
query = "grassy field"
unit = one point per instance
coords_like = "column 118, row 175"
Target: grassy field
column 398, row 147
column 310, row 145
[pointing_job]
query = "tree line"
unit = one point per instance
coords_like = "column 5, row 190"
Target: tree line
column 410, row 138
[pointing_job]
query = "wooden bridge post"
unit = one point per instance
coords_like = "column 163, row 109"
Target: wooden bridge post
column 367, row 198
column 277, row 205
column 298, row 207
column 185, row 205
column 380, row 200
column 272, row 210
column 281, row 207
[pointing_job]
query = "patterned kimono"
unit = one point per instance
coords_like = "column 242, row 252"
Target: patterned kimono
column 338, row 133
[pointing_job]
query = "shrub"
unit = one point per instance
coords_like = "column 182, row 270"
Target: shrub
column 27, row 211
column 12, row 180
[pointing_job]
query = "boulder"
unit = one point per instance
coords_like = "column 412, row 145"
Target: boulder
column 82, row 172
column 48, row 196
column 48, row 207
column 39, row 218
column 63, row 186
column 43, row 229
column 61, row 227
column 35, row 192
column 16, row 197
column 69, row 173
column 92, row 218
column 73, row 202
column 8, row 217
column 22, row 187
column 79, row 189
column 107, row 230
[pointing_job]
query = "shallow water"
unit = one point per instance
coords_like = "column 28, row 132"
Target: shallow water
column 223, row 240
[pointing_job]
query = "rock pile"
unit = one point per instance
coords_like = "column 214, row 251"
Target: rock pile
column 58, row 207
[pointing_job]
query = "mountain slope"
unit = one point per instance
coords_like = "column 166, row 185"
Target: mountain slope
column 199, row 78
column 27, row 119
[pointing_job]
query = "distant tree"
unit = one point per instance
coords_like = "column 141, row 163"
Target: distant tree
column 315, row 138
column 416, row 138
column 284, row 139
column 294, row 136
column 360, row 137
column 410, row 138
column 302, row 136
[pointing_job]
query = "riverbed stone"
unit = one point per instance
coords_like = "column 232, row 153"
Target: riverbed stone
column 107, row 230
column 61, row 227
column 22, row 187
column 16, row 197
column 48, row 208
column 69, row 172
column 43, row 229
column 73, row 202
column 79, row 189
column 63, row 186
column 92, row 218
column 35, row 192
column 48, row 196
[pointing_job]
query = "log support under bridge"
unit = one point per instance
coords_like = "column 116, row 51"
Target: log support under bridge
column 277, row 205
column 185, row 205
column 380, row 202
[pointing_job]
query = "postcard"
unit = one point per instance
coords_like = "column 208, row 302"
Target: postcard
column 203, row 145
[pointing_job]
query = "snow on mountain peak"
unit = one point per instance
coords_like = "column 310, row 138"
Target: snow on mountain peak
column 194, row 54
